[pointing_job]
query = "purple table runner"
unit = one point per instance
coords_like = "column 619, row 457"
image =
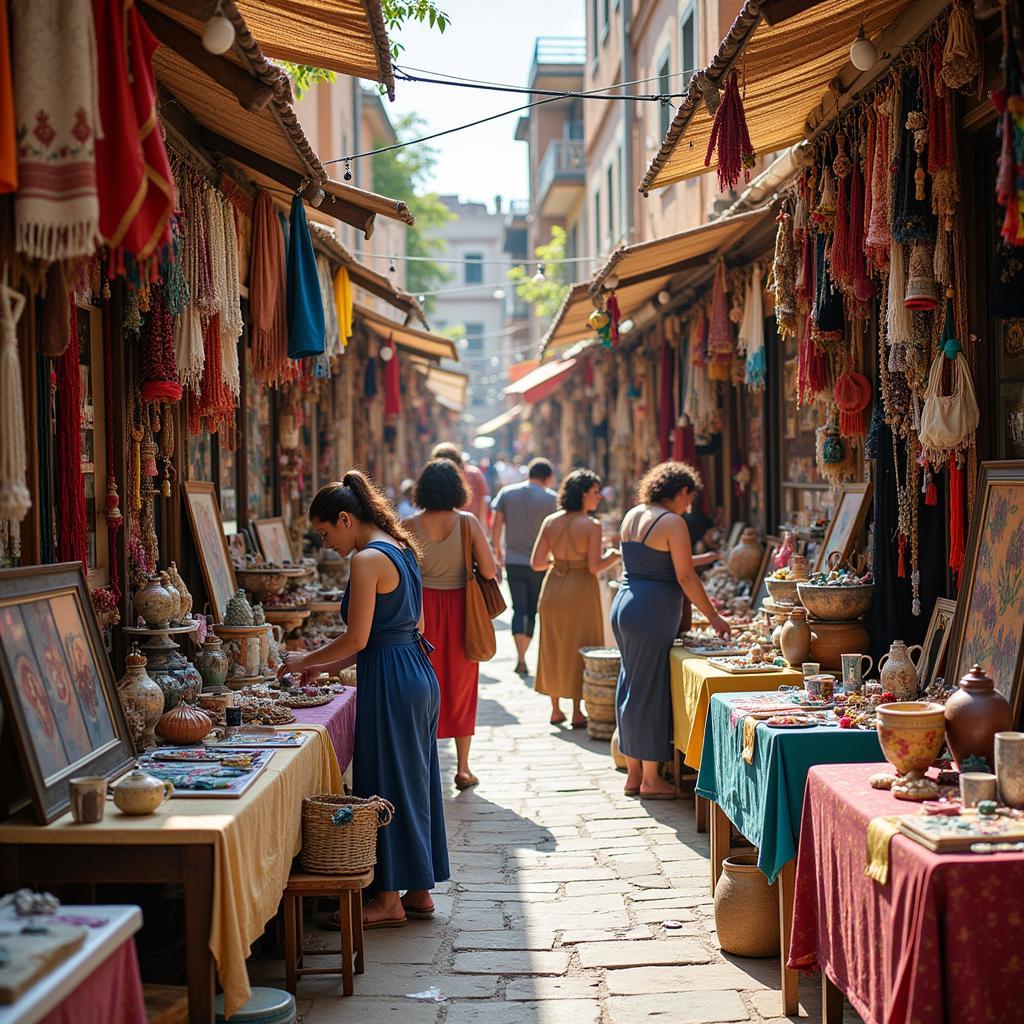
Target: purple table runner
column 339, row 719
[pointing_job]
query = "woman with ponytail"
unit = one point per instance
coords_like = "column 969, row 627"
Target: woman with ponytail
column 397, row 700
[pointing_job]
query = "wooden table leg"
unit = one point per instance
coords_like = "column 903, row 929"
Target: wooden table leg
column 356, row 906
column 345, row 925
column 790, row 979
column 831, row 1001
column 197, row 874
column 701, row 810
column 290, row 952
column 721, row 841
column 677, row 770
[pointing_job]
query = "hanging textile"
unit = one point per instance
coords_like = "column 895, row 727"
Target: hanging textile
column 333, row 345
column 1008, row 101
column 752, row 332
column 70, row 522
column 305, row 312
column 878, row 240
column 666, row 399
column 912, row 217
column 57, row 206
column 159, row 370
column 15, row 500
column 370, row 379
column 343, row 305
column 134, row 175
column 392, row 382
column 227, row 296
column 8, row 147
column 721, row 343
column 266, row 298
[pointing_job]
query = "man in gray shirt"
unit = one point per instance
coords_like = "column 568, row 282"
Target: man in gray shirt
column 519, row 510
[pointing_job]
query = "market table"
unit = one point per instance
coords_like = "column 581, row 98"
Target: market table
column 941, row 940
column 339, row 719
column 693, row 681
column 763, row 800
column 99, row 981
column 231, row 856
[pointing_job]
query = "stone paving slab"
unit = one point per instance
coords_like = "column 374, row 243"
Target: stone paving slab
column 692, row 1008
column 635, row 953
column 575, row 986
column 577, row 1010
column 511, row 962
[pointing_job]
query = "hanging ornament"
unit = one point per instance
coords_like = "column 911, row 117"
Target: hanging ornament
column 917, row 124
column 731, row 137
column 842, row 165
column 962, row 58
column 752, row 333
column 783, row 276
column 218, row 33
column 15, row 500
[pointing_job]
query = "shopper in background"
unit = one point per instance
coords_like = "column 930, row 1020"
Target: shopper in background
column 478, row 501
column 646, row 612
column 519, row 511
column 440, row 493
column 568, row 550
column 405, row 507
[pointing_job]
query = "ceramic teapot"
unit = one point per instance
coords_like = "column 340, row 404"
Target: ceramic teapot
column 139, row 793
column 897, row 671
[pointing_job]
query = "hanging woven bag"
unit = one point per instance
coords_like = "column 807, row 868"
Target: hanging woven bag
column 947, row 421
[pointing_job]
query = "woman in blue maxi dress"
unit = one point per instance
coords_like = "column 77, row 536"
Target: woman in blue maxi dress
column 658, row 571
column 397, row 699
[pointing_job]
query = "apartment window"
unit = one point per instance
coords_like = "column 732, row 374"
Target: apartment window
column 688, row 48
column 664, row 87
column 593, row 22
column 623, row 198
column 605, row 18
column 474, row 268
column 475, row 337
column 597, row 222
column 572, row 242
column 610, row 188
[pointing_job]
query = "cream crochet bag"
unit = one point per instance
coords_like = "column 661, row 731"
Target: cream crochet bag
column 948, row 420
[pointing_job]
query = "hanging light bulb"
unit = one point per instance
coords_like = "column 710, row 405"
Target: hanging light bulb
column 392, row 269
column 498, row 293
column 863, row 52
column 611, row 282
column 663, row 297
column 539, row 278
column 218, row 33
column 387, row 353
column 348, row 170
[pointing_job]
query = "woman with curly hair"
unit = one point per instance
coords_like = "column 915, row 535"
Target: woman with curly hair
column 646, row 611
column 441, row 492
column 397, row 700
column 568, row 547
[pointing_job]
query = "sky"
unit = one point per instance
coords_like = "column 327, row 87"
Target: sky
column 490, row 40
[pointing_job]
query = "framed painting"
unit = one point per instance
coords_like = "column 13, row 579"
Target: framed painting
column 272, row 535
column 58, row 688
column 759, row 589
column 844, row 529
column 936, row 640
column 211, row 544
column 988, row 628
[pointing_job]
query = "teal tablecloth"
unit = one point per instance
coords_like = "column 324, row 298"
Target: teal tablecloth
column 764, row 800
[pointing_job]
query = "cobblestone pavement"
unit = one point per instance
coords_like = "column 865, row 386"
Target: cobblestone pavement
column 560, row 887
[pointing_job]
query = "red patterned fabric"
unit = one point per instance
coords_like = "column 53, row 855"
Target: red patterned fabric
column 444, row 625
column 938, row 944
column 113, row 992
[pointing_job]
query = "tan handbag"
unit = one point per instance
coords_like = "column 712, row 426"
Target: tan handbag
column 948, row 420
column 480, row 641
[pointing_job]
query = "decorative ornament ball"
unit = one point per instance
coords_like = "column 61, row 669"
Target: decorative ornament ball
column 598, row 319
column 218, row 35
column 863, row 53
column 387, row 354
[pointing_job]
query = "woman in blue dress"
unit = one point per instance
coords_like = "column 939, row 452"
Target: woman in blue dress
column 397, row 700
column 658, row 571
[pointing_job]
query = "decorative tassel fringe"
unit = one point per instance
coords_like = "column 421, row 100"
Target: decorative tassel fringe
column 15, row 500
column 731, row 137
column 901, row 570
column 962, row 60
column 956, row 517
column 71, row 538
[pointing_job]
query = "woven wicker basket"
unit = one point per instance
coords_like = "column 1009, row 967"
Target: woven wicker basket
column 348, row 849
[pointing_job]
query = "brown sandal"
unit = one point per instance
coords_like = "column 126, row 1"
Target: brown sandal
column 466, row 781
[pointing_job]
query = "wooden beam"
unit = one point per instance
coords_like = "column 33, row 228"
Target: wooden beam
column 777, row 11
column 252, row 94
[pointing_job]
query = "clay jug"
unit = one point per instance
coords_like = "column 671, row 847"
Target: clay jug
column 974, row 714
column 796, row 637
column 799, row 567
column 745, row 557
column 212, row 663
column 138, row 691
column 831, row 640
column 780, row 623
column 155, row 603
column 897, row 671
column 746, row 909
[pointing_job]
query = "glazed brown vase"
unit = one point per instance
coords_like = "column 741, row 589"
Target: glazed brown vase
column 745, row 558
column 974, row 714
column 796, row 638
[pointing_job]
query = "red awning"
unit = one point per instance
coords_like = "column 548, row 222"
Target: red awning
column 541, row 382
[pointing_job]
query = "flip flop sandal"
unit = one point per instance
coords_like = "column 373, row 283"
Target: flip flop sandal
column 657, row 796
column 557, row 720
column 631, row 792
column 419, row 913
column 465, row 782
column 580, row 725
column 394, row 922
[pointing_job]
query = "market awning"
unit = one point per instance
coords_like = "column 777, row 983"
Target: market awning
column 421, row 343
column 507, row 417
column 569, row 325
column 448, row 386
column 788, row 63
column 541, row 382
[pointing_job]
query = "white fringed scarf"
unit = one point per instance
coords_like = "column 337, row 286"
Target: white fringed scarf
column 15, row 500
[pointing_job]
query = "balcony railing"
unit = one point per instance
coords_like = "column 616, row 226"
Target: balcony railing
column 563, row 162
column 559, row 50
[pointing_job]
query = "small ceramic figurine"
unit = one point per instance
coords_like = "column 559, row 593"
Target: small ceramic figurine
column 784, row 554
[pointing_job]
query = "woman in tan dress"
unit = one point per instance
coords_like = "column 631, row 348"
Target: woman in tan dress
column 568, row 547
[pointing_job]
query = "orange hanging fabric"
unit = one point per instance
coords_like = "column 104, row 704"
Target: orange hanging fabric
column 8, row 147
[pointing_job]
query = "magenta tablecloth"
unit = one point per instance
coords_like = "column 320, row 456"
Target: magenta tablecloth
column 113, row 992
column 939, row 943
column 339, row 719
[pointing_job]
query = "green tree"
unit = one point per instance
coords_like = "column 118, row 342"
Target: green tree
column 404, row 174
column 545, row 296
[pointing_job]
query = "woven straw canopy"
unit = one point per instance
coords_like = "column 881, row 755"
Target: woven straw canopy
column 785, row 72
column 422, row 343
column 448, row 386
column 507, row 417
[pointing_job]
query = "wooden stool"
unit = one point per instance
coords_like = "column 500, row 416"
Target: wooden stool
column 348, row 889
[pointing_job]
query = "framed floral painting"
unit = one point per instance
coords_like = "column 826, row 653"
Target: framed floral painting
column 57, row 686
column 988, row 628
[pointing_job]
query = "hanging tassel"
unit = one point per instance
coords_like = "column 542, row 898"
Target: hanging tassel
column 71, row 532
column 930, row 491
column 15, row 500
column 956, row 517
column 901, row 570
column 962, row 60
column 731, row 137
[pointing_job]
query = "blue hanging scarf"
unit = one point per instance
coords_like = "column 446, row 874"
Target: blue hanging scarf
column 307, row 328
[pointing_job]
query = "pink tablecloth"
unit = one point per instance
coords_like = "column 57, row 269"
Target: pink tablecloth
column 113, row 992
column 940, row 943
column 339, row 719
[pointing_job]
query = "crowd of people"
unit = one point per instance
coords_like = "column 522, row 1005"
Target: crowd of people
column 413, row 562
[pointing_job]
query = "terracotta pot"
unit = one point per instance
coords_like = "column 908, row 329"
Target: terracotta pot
column 746, row 909
column 799, row 566
column 780, row 623
column 897, row 671
column 1010, row 767
column 745, row 558
column 836, row 604
column 155, row 603
column 138, row 691
column 974, row 714
column 184, row 725
column 831, row 640
column 911, row 734
column 796, row 637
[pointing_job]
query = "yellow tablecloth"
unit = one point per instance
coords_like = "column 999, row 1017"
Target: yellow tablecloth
column 256, row 837
column 693, row 681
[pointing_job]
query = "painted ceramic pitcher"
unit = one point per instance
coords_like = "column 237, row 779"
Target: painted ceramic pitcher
column 897, row 671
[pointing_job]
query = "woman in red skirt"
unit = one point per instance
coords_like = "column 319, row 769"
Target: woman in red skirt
column 440, row 492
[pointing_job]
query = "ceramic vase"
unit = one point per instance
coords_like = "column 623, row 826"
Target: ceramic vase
column 745, row 558
column 155, row 603
column 1009, row 754
column 897, row 671
column 780, row 623
column 746, row 909
column 831, row 640
column 212, row 663
column 911, row 735
column 974, row 714
column 138, row 692
column 165, row 582
column 799, row 567
column 796, row 637
column 184, row 596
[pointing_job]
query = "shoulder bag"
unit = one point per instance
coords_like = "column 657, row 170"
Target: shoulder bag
column 948, row 420
column 483, row 602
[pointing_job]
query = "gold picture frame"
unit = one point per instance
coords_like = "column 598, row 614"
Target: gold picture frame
column 850, row 515
column 936, row 642
column 211, row 545
column 272, row 537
